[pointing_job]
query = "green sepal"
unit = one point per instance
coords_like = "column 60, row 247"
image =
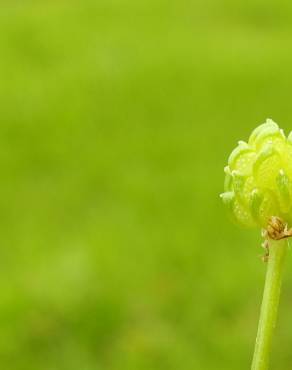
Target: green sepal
column 228, row 199
column 289, row 139
column 241, row 149
column 269, row 132
column 257, row 131
column 228, row 179
column 283, row 183
column 238, row 183
column 237, row 211
column 263, row 204
column 256, row 199
column 267, row 151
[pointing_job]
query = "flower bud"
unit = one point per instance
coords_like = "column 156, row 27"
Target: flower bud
column 258, row 178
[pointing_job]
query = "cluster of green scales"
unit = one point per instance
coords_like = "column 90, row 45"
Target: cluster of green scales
column 258, row 182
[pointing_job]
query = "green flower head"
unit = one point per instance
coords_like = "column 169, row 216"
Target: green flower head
column 258, row 178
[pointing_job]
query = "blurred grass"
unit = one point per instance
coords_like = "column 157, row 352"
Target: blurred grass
column 117, row 118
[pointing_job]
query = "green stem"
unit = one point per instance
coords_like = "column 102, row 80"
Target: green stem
column 270, row 304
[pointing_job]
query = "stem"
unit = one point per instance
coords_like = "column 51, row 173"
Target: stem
column 270, row 304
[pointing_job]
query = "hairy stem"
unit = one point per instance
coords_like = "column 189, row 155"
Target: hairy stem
column 270, row 304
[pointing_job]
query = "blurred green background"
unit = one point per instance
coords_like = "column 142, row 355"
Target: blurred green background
column 116, row 119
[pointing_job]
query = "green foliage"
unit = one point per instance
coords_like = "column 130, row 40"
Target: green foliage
column 116, row 117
